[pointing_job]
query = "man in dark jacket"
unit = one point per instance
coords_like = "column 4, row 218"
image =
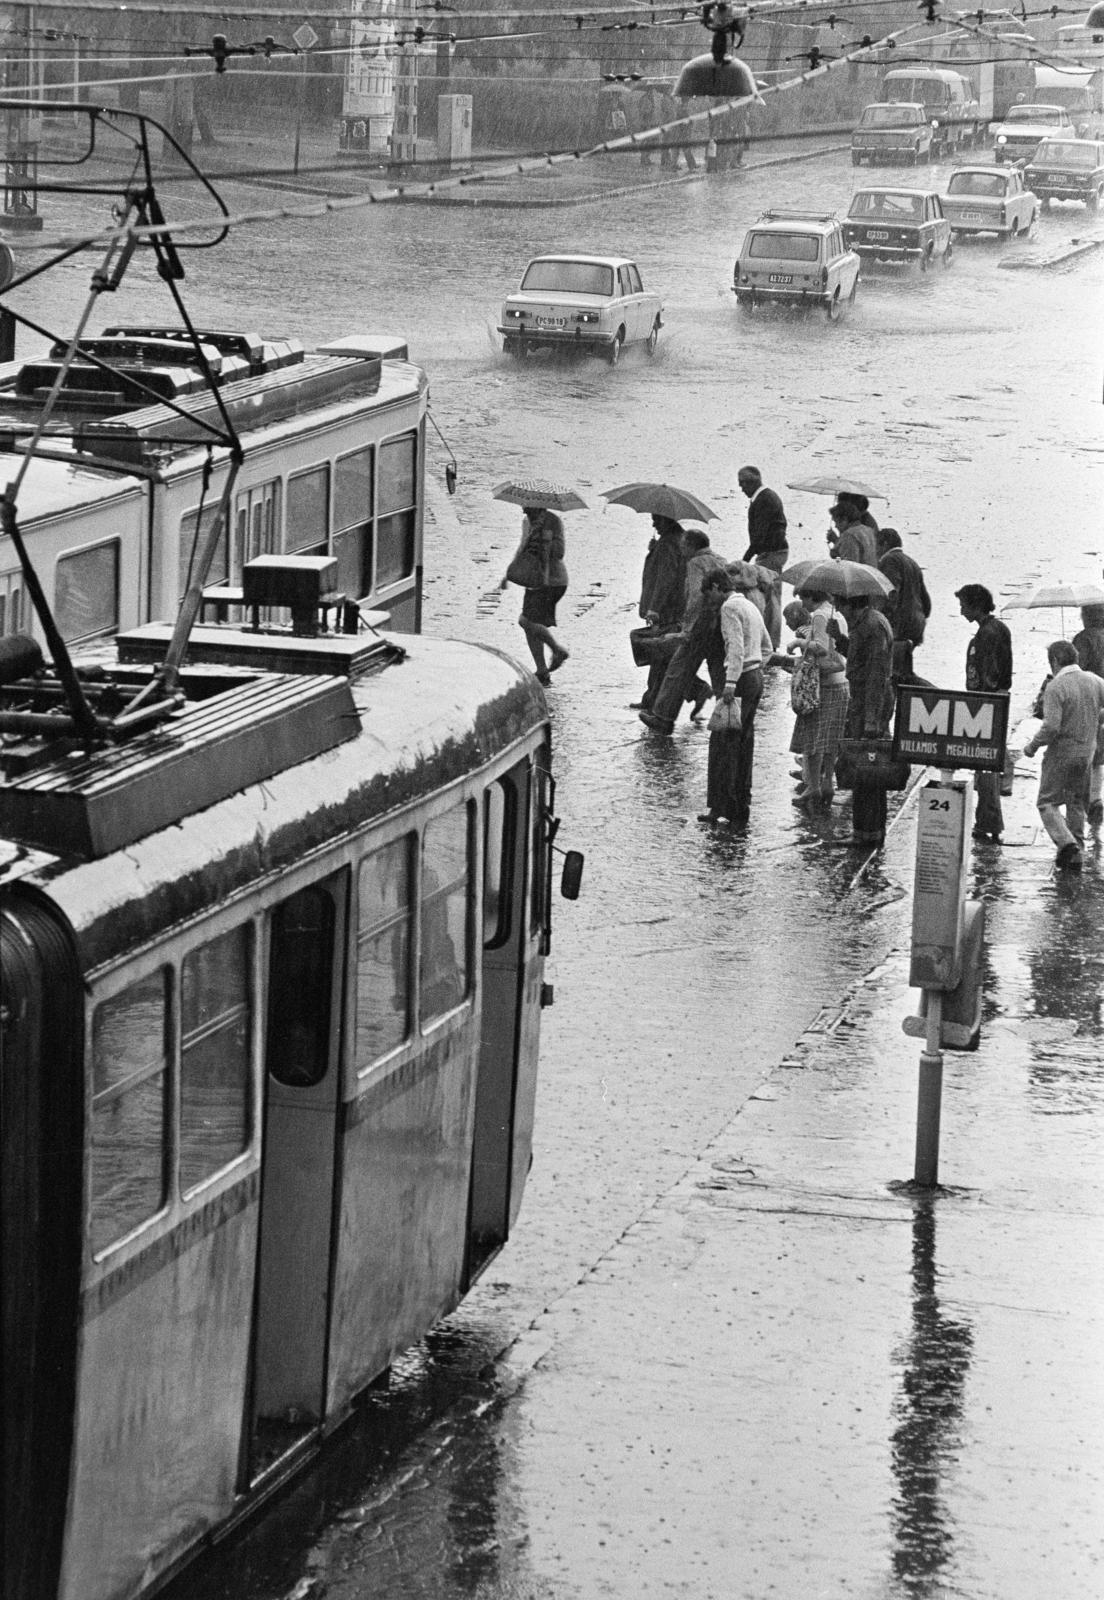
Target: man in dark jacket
column 988, row 669
column 662, row 599
column 908, row 608
column 698, row 640
column 767, row 544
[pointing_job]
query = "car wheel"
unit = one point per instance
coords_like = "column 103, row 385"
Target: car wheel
column 511, row 347
column 856, row 159
column 947, row 255
column 833, row 307
column 854, row 292
column 613, row 354
column 653, row 337
column 1092, row 203
column 925, row 261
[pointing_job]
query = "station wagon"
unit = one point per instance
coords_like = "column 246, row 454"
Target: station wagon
column 797, row 258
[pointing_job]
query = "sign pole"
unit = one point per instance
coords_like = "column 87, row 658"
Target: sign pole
column 929, row 1096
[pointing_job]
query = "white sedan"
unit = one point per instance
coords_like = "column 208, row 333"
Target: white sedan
column 596, row 303
column 989, row 200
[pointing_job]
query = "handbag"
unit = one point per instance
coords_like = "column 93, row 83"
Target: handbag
column 870, row 762
column 805, row 687
column 526, row 571
column 725, row 717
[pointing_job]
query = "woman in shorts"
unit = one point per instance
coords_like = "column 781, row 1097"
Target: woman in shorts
column 540, row 555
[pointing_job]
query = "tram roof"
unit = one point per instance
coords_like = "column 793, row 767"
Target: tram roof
column 426, row 722
column 51, row 487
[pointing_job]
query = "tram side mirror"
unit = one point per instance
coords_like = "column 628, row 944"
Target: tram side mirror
column 572, row 876
column 450, row 476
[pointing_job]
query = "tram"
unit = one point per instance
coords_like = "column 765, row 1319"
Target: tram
column 334, row 464
column 273, row 977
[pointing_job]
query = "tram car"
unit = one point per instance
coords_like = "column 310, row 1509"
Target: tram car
column 334, row 465
column 272, row 984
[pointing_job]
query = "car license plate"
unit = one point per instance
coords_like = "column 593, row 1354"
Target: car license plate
column 780, row 277
column 876, row 233
column 973, row 216
column 550, row 322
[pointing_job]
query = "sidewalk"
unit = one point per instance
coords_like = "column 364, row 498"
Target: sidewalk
column 793, row 1377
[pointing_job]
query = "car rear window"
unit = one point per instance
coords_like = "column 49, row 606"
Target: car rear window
column 569, row 277
column 888, row 207
column 977, row 183
column 904, row 116
column 1066, row 155
column 784, row 247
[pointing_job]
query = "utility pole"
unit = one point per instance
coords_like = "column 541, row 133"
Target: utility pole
column 22, row 128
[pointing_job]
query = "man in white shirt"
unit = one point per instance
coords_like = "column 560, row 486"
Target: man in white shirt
column 747, row 647
column 1073, row 709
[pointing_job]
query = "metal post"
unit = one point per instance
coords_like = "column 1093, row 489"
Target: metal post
column 929, row 1098
column 299, row 109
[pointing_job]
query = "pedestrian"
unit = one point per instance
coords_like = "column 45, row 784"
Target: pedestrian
column 1089, row 644
column 869, row 651
column 693, row 645
column 988, row 671
column 767, row 543
column 1073, row 715
column 732, row 752
column 662, row 601
column 538, row 565
column 861, row 504
column 849, row 538
column 908, row 608
column 817, row 733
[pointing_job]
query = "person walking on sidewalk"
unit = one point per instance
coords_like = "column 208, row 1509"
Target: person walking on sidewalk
column 540, row 557
column 989, row 671
column 1089, row 644
column 692, row 645
column 1073, row 712
column 732, row 752
column 767, row 542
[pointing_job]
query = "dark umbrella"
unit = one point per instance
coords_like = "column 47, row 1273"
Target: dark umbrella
column 661, row 500
column 538, row 492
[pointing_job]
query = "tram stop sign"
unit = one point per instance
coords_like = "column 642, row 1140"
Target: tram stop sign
column 950, row 728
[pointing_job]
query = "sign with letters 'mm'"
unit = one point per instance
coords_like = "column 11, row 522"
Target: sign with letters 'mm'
column 950, row 728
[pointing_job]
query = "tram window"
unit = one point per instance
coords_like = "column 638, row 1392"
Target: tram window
column 86, row 592
column 256, row 518
column 306, row 519
column 499, row 833
column 394, row 548
column 11, row 603
column 129, row 1121
column 444, row 913
column 386, row 901
column 299, row 985
column 352, row 521
column 541, row 850
column 214, row 1056
column 192, row 537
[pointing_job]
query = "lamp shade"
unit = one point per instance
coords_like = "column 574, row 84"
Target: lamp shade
column 729, row 79
column 1095, row 18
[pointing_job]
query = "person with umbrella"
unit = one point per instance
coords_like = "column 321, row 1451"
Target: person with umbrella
column 1073, row 717
column 1089, row 644
column 538, row 566
column 850, row 538
column 817, row 734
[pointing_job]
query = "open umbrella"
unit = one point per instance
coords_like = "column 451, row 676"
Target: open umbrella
column 1057, row 596
column 538, row 492
column 844, row 580
column 837, row 486
column 661, row 500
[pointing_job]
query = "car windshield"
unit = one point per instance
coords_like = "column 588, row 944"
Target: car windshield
column 1049, row 116
column 888, row 207
column 784, row 246
column 1067, row 155
column 987, row 183
column 903, row 116
column 569, row 277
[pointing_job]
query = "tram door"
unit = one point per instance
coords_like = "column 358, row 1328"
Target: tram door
column 505, row 930
column 297, row 1171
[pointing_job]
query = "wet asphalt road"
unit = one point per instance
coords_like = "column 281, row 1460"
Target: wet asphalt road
column 692, row 963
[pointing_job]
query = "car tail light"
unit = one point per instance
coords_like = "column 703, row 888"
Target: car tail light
column 824, row 277
column 587, row 316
